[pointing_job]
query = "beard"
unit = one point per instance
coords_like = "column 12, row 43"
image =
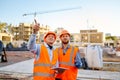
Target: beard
column 65, row 42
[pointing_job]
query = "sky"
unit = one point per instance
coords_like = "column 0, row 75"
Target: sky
column 103, row 15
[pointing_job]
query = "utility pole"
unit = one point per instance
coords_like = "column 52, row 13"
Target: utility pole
column 88, row 31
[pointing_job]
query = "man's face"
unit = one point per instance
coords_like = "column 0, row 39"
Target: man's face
column 65, row 38
column 50, row 39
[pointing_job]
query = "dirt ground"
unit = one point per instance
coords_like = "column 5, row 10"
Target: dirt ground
column 111, row 58
column 16, row 56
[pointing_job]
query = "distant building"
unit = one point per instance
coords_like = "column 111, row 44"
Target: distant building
column 91, row 36
column 112, row 40
column 58, row 31
column 5, row 37
column 75, row 39
column 23, row 32
column 108, row 34
column 84, row 37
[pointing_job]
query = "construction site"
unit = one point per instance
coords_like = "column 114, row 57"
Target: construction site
column 20, row 63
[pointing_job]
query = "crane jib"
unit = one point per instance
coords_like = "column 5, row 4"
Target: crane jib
column 51, row 11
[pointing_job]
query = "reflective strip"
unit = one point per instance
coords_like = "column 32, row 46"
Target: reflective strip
column 42, row 64
column 71, row 55
column 43, row 74
column 67, row 63
column 70, row 61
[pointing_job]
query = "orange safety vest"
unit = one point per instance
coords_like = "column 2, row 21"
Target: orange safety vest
column 67, row 61
column 42, row 67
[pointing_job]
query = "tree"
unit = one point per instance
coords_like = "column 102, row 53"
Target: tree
column 9, row 28
column 2, row 25
column 71, row 38
column 111, row 38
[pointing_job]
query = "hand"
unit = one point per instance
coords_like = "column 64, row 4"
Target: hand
column 60, row 71
column 56, row 72
column 36, row 27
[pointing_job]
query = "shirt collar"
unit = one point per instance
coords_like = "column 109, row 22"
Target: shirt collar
column 46, row 45
column 68, row 46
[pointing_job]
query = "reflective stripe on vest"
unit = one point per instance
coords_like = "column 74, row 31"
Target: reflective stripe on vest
column 70, row 62
column 43, row 74
column 42, row 64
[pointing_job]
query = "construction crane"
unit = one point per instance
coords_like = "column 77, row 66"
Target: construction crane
column 51, row 11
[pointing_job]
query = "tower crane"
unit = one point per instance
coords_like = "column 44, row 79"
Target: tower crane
column 50, row 11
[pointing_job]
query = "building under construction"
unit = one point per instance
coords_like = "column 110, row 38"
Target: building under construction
column 23, row 32
column 91, row 36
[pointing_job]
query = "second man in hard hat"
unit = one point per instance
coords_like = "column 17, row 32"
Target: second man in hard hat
column 68, row 57
column 45, row 55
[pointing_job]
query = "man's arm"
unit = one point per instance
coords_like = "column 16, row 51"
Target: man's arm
column 32, row 46
column 32, row 43
column 78, row 62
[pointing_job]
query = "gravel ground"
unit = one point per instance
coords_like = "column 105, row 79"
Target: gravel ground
column 16, row 56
